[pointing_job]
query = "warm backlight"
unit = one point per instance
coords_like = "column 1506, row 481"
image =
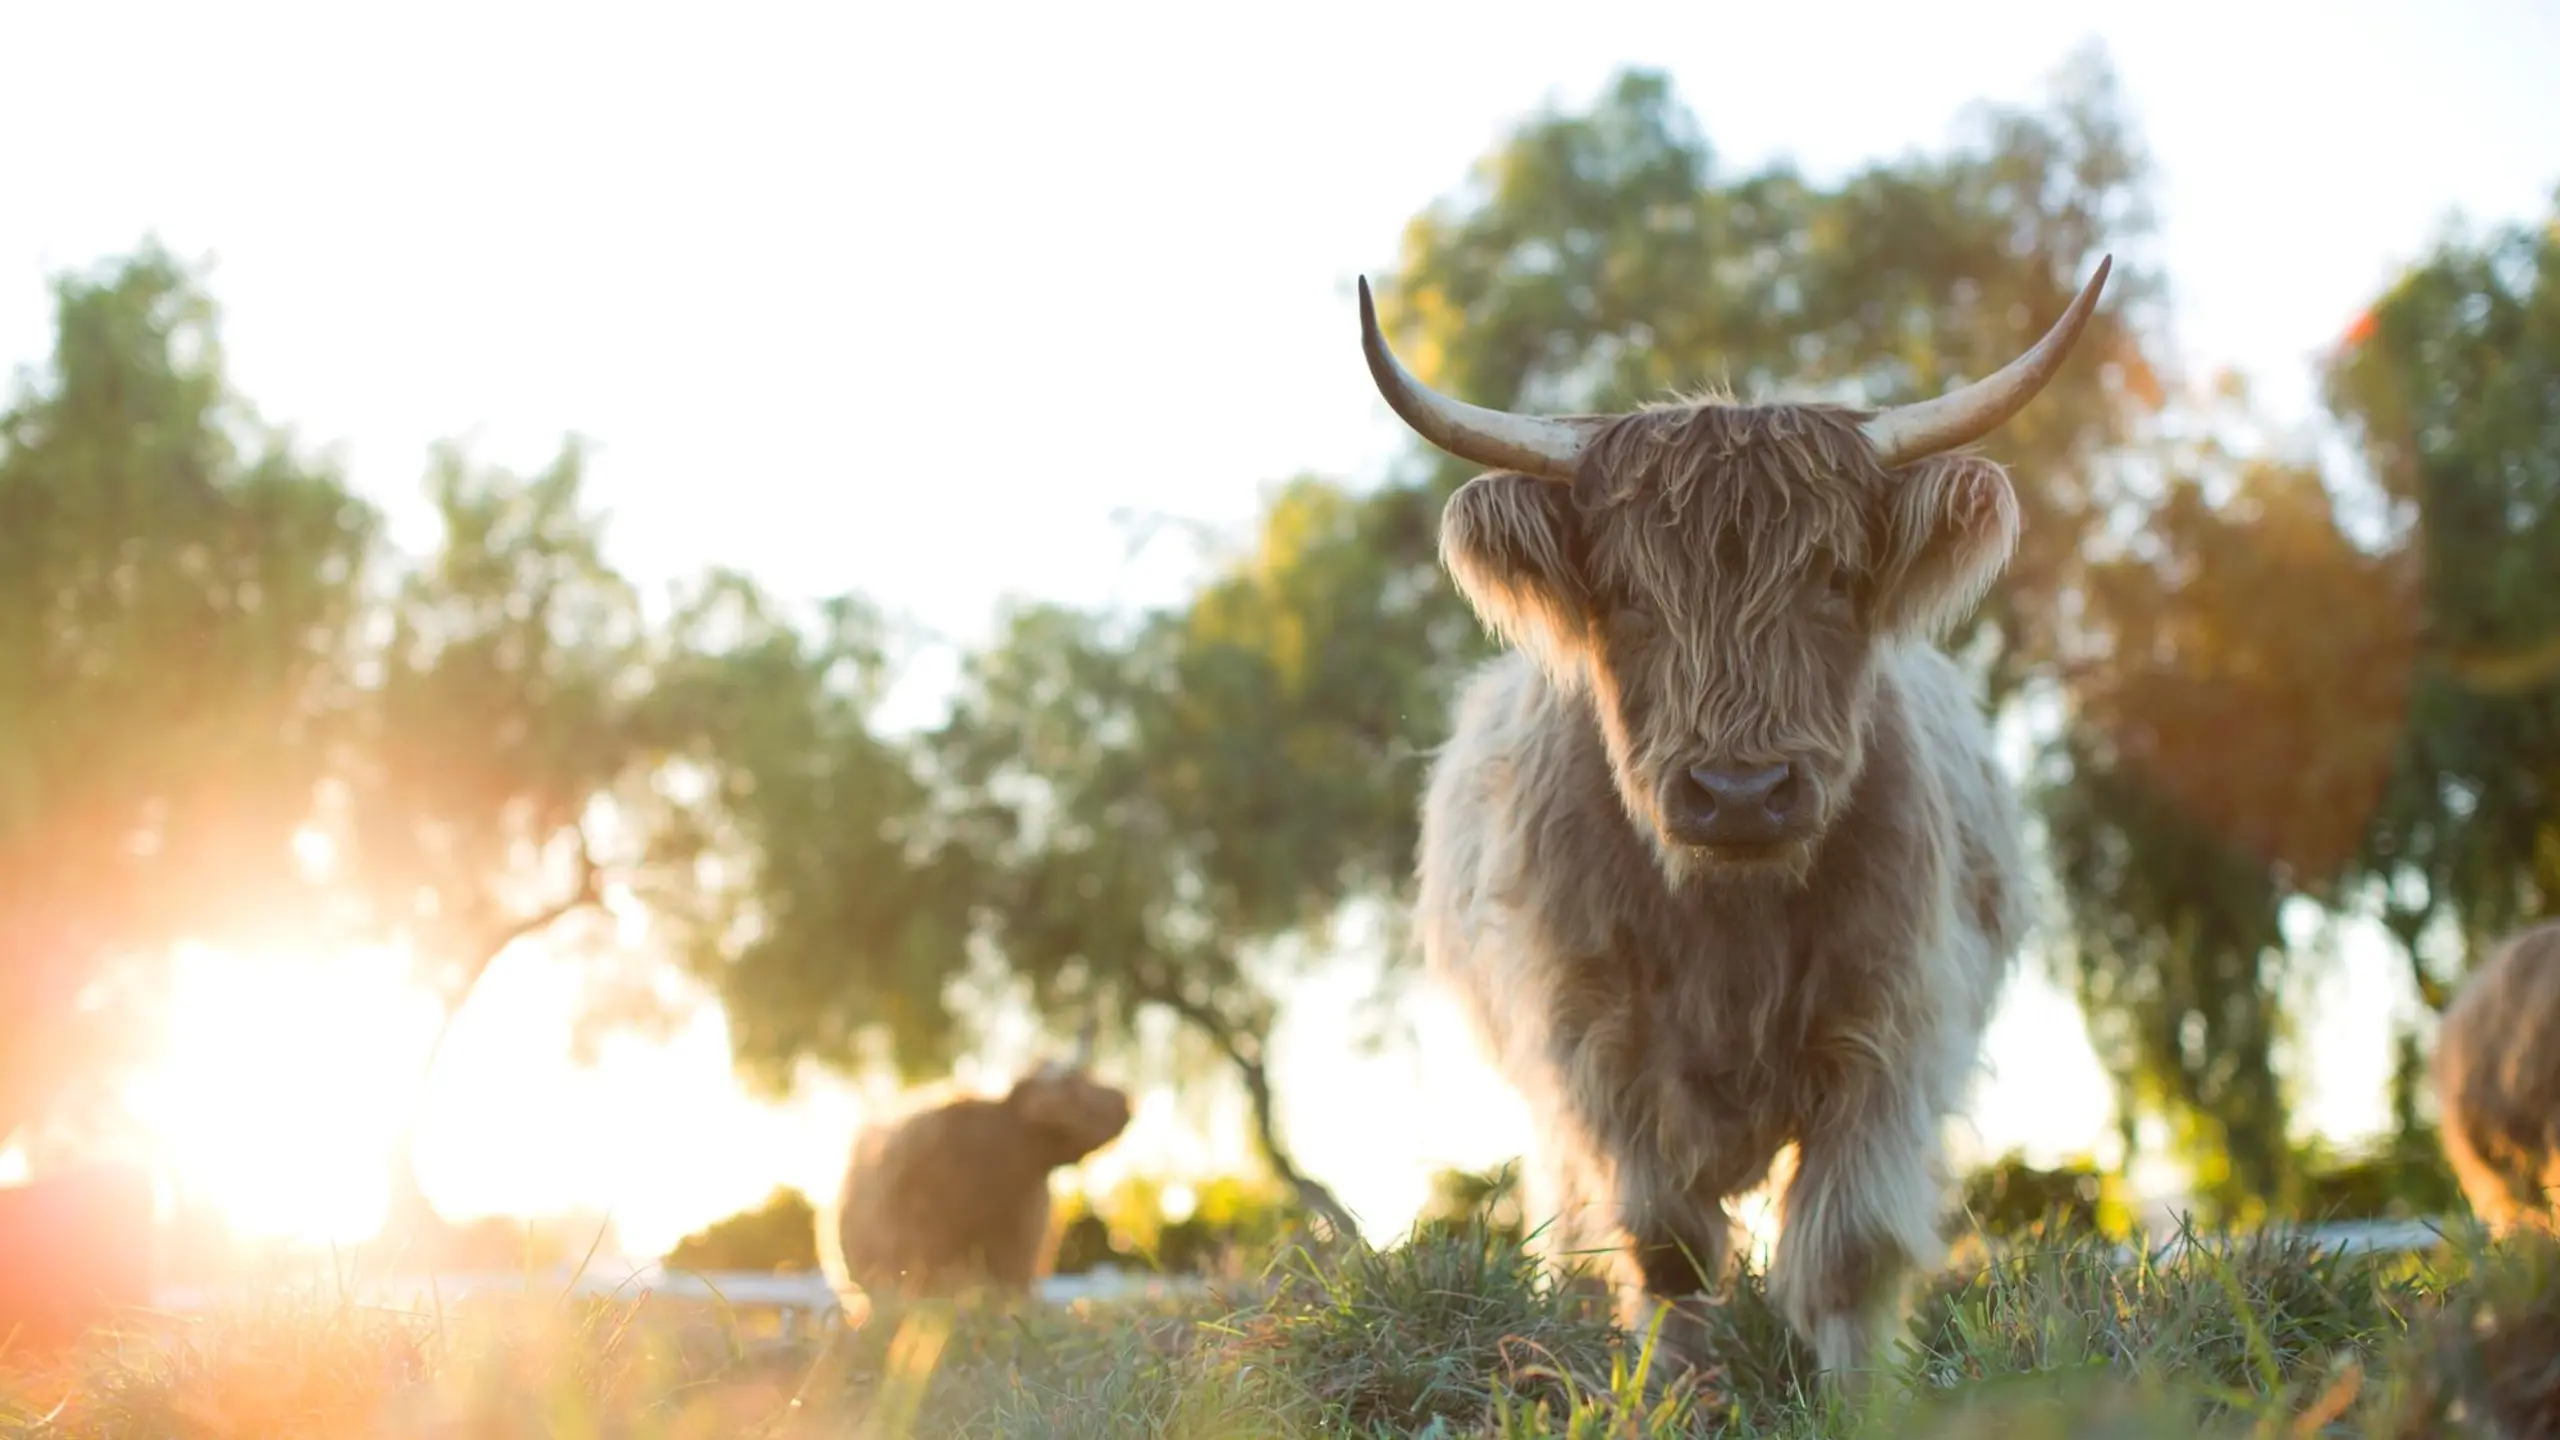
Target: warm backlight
column 278, row 1088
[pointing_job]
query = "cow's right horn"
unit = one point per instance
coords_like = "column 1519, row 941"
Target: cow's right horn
column 1928, row 427
column 1533, row 445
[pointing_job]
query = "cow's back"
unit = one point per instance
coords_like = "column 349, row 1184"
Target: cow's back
column 942, row 1199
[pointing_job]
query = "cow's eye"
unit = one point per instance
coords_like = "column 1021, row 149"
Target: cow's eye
column 1838, row 587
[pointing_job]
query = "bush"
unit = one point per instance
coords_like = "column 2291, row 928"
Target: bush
column 780, row 1235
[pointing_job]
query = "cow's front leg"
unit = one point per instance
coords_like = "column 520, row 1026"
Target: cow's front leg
column 1676, row 1249
column 1861, row 1212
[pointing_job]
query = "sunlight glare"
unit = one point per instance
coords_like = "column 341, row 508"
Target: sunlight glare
column 276, row 1093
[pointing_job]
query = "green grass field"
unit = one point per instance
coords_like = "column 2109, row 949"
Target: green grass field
column 1444, row 1338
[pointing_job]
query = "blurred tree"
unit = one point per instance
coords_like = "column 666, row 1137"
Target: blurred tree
column 2237, row 672
column 1115, row 791
column 779, row 1235
column 176, row 590
column 2449, row 383
column 499, row 713
column 1600, row 260
column 789, row 854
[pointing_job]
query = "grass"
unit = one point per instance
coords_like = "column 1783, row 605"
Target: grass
column 1447, row 1337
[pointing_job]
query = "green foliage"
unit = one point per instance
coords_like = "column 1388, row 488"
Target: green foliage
column 1399, row 1340
column 780, row 1234
column 2447, row 382
column 1487, row 1199
column 2010, row 1198
column 1601, row 260
column 498, row 712
column 786, row 853
column 2405, row 1177
column 176, row 580
column 1231, row 1226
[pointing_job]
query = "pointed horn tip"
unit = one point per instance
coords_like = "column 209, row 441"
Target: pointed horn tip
column 1372, row 336
column 1542, row 447
column 1930, row 426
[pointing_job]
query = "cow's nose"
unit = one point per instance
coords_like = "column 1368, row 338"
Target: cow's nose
column 1742, row 804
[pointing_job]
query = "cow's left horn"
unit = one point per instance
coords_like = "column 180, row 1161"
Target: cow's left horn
column 1533, row 445
column 1910, row 432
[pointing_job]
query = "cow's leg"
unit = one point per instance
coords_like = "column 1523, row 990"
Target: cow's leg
column 1860, row 1213
column 1566, row 1214
column 1676, row 1247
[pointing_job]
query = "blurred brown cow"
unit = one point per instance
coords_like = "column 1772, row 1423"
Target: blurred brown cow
column 2497, row 1078
column 956, row 1198
column 74, row 1248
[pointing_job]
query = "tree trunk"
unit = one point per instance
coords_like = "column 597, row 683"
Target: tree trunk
column 1311, row 1192
column 1245, row 1053
column 410, row 1212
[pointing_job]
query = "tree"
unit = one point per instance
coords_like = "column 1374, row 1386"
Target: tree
column 788, row 853
column 499, row 714
column 1117, row 794
column 2236, row 677
column 1601, row 260
column 2448, row 382
column 177, row 585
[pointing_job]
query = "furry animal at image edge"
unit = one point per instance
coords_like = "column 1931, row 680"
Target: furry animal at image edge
column 2497, row 1081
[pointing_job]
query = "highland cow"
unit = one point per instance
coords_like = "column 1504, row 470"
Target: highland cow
column 955, row 1198
column 1718, row 856
column 2497, row 1081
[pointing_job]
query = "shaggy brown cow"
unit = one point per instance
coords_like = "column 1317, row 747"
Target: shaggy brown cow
column 1719, row 856
column 956, row 1197
column 2497, row 1078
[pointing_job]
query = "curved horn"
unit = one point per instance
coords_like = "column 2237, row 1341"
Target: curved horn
column 1529, row 444
column 1926, row 427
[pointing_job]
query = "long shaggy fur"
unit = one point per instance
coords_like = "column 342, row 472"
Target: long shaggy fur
column 2497, row 1079
column 1729, row 584
column 955, row 1198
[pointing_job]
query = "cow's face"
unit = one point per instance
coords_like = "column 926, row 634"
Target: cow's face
column 1066, row 1114
column 1720, row 577
column 1720, row 581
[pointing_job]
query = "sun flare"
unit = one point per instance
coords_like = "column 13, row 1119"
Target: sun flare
column 276, row 1092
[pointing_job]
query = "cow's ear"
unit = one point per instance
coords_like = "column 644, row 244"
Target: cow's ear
column 1514, row 546
column 1951, row 523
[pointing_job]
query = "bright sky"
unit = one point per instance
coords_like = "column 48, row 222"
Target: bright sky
column 912, row 299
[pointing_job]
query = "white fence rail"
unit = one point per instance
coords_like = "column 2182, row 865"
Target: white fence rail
column 793, row 1298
